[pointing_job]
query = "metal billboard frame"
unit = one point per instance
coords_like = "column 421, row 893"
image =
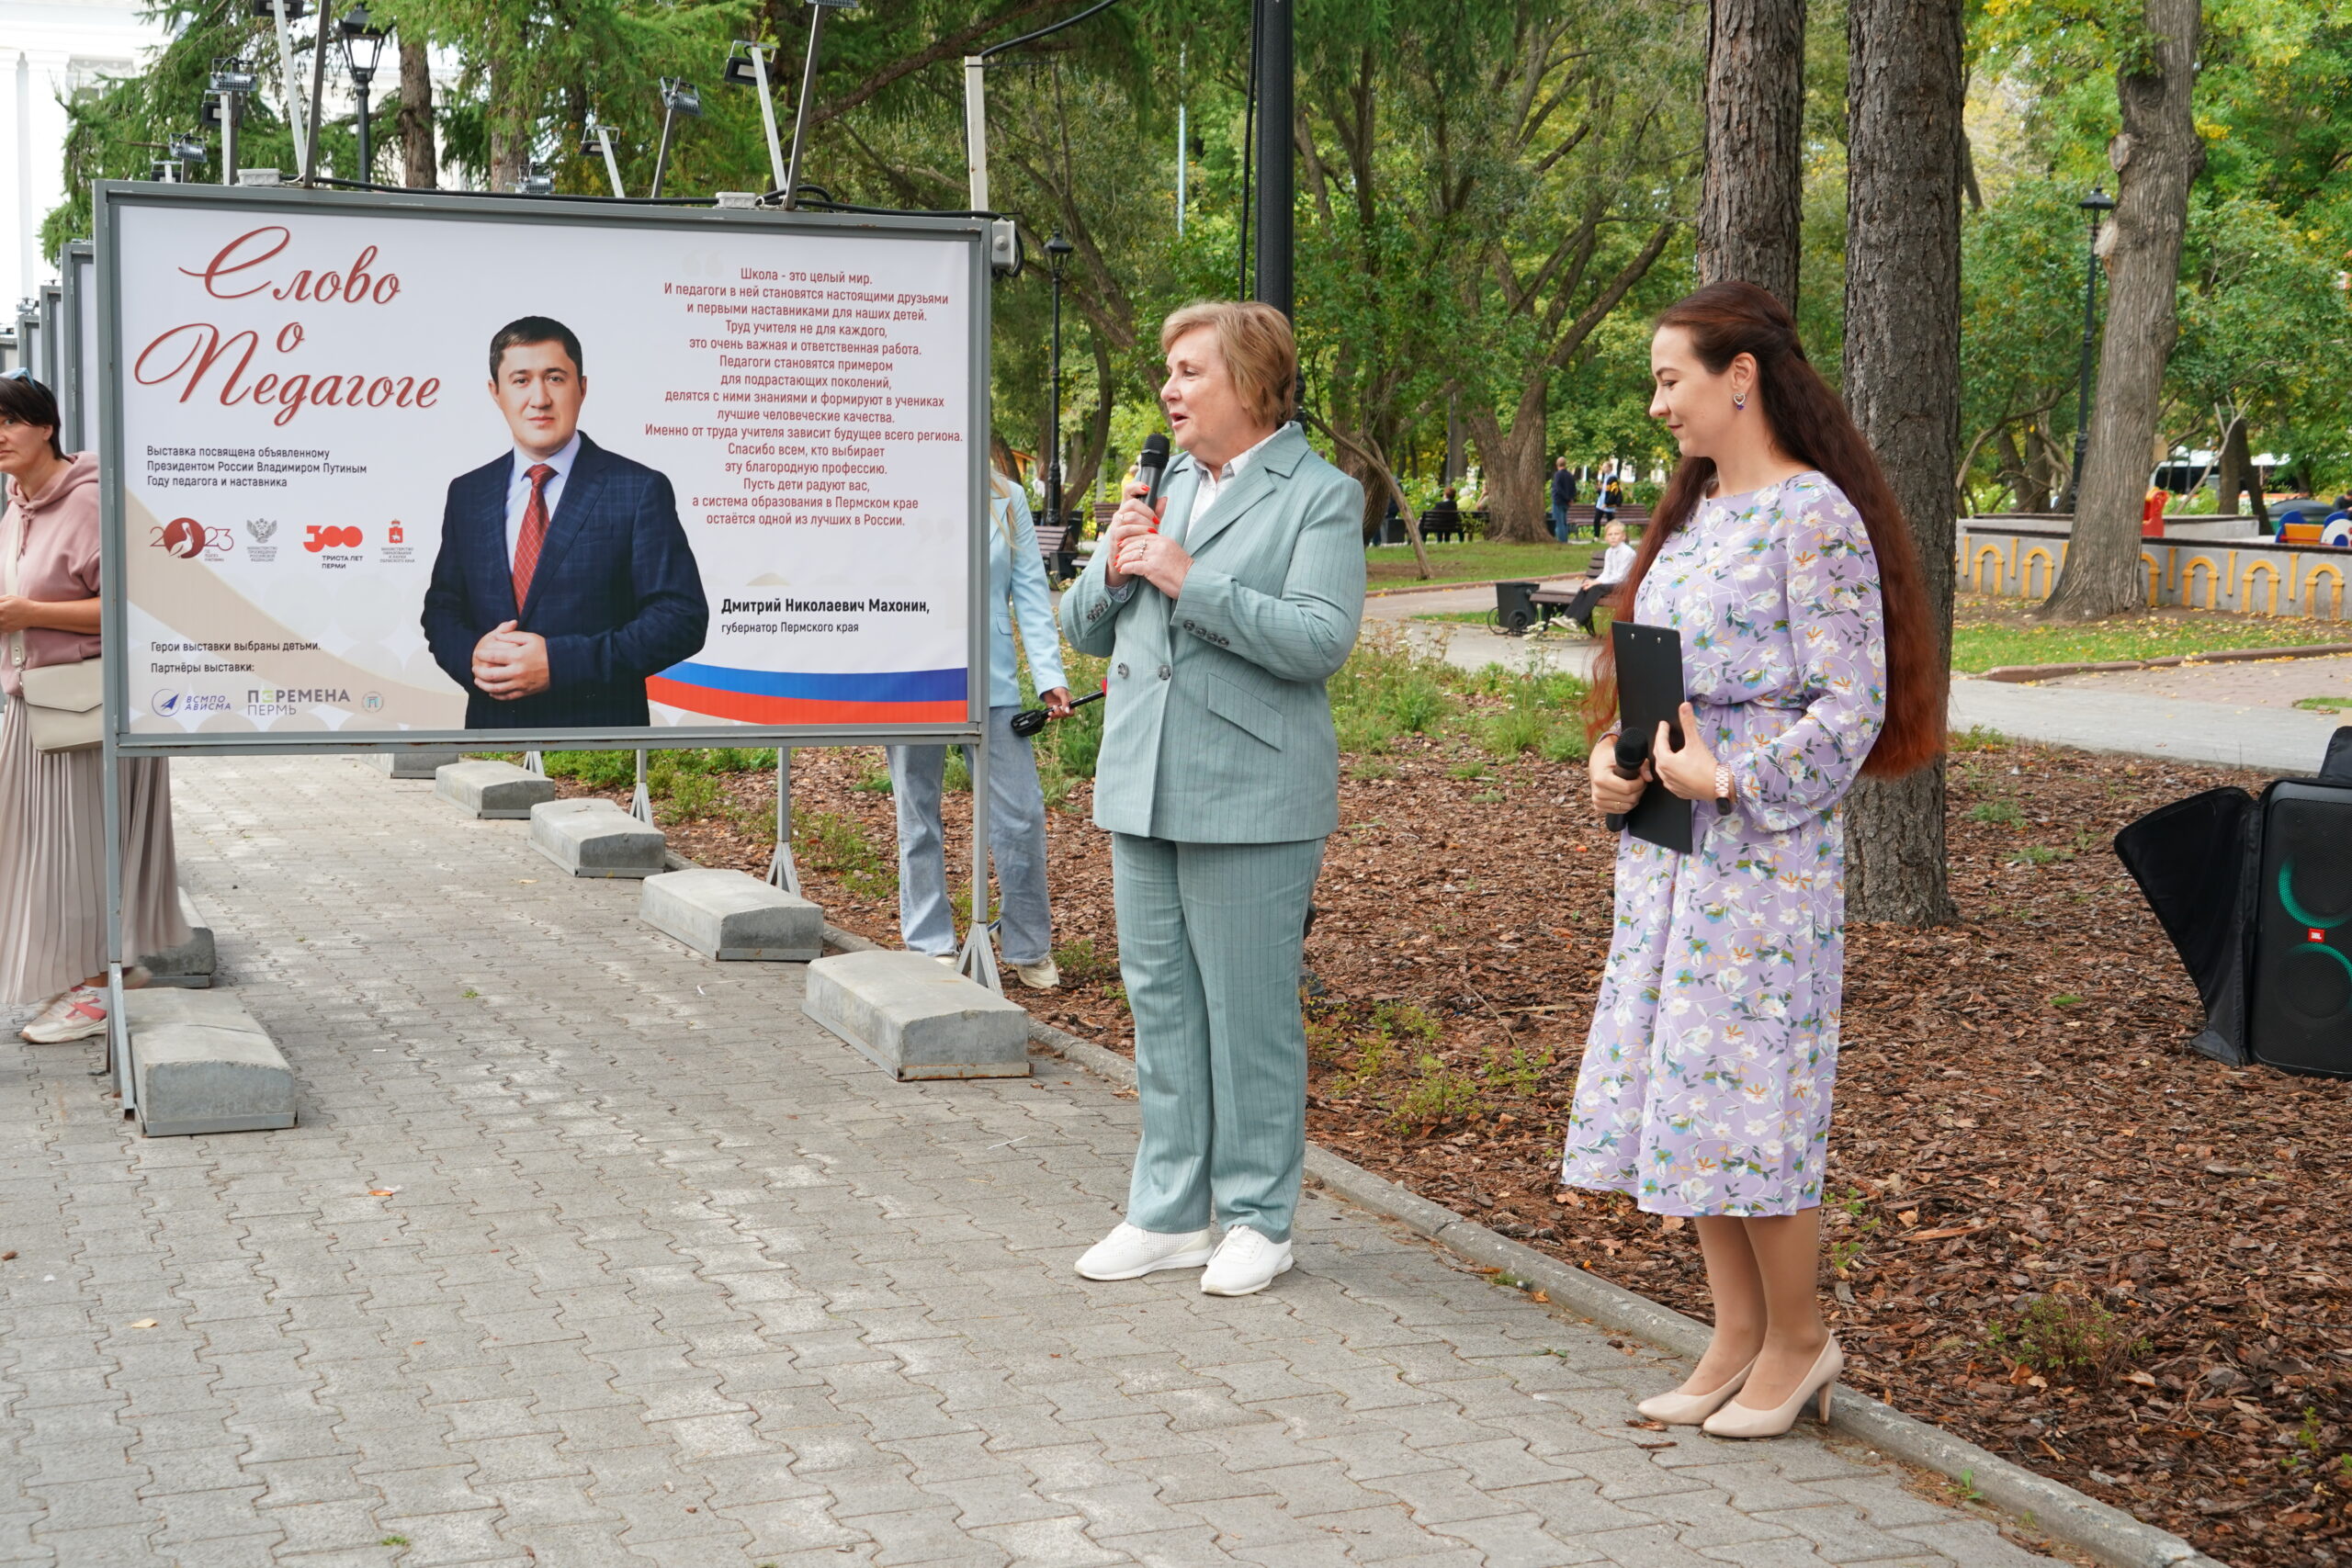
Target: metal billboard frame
column 109, row 198
column 75, row 357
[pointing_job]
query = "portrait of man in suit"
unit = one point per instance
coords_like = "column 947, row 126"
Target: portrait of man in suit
column 563, row 579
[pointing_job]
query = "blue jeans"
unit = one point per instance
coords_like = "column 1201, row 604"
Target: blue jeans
column 1560, row 522
column 1016, row 837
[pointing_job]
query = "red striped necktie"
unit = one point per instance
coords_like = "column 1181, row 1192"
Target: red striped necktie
column 535, row 533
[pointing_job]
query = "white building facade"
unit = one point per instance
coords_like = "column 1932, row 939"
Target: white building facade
column 51, row 50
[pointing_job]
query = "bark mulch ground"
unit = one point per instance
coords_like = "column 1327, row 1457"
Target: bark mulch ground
column 2053, row 1229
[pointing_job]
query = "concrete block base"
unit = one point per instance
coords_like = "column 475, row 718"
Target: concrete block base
column 916, row 1017
column 202, row 1065
column 498, row 789
column 414, row 764
column 594, row 838
column 191, row 964
column 731, row 915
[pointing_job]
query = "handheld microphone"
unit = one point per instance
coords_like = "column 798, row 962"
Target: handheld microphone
column 1152, row 464
column 1632, row 752
column 1029, row 721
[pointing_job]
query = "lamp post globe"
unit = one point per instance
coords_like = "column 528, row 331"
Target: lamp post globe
column 2098, row 204
column 1057, row 254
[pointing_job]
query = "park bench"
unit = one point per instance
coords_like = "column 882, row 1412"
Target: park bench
column 1459, row 528
column 1053, row 543
column 1543, row 602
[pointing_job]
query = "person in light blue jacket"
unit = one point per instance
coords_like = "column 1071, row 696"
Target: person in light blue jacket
column 1223, row 616
column 1016, row 804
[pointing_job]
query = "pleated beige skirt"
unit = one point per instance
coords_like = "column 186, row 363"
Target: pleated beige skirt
column 53, row 863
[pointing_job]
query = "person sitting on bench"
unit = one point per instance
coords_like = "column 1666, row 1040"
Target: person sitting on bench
column 1614, row 566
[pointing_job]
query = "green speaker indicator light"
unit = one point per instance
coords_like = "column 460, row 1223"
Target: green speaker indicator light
column 2303, row 917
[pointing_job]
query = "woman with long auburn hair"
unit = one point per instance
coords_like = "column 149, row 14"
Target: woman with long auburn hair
column 1779, row 554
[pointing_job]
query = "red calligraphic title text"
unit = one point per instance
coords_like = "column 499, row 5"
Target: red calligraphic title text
column 203, row 360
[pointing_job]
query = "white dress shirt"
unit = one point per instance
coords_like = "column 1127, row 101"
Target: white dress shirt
column 1617, row 564
column 518, row 488
column 1210, row 486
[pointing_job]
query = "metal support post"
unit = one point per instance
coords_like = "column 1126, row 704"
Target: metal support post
column 534, row 764
column 318, row 98
column 117, row 1057
column 286, row 67
column 1274, row 156
column 767, row 113
column 231, row 103
column 661, row 158
column 640, row 802
column 978, row 958
column 783, row 870
column 976, row 129
column 800, row 109
column 612, row 164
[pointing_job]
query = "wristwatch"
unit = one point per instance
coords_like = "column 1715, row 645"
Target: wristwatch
column 1723, row 790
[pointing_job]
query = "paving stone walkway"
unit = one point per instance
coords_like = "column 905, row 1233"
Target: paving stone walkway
column 590, row 1252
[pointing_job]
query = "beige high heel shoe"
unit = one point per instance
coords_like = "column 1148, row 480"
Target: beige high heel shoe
column 1678, row 1409
column 1746, row 1421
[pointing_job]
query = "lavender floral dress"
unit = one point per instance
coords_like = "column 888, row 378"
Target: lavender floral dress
column 1706, row 1079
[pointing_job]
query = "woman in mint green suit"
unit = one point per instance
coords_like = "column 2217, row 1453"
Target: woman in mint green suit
column 1218, row 782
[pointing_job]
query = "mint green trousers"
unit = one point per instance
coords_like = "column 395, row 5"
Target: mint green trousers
column 1209, row 940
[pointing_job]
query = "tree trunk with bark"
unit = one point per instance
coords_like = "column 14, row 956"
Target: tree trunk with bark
column 1513, row 467
column 2238, row 476
column 419, row 160
column 2156, row 156
column 1752, row 204
column 1902, row 380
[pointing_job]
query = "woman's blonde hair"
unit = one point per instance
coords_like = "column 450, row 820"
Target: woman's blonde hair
column 1256, row 344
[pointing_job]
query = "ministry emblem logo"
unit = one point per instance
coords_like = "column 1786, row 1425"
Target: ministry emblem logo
column 261, row 528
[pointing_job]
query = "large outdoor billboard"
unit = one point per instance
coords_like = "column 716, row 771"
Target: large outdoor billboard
column 400, row 469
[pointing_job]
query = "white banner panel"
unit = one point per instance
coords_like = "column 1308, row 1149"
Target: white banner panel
column 433, row 467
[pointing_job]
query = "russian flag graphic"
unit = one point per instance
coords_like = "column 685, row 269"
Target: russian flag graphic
column 768, row 697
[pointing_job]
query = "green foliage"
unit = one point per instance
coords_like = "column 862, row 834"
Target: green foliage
column 2002, row 813
column 824, row 841
column 1067, row 748
column 1987, row 637
column 1436, row 1093
column 1081, row 965
column 2067, row 1339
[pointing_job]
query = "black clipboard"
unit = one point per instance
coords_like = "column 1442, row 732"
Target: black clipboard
column 1649, row 692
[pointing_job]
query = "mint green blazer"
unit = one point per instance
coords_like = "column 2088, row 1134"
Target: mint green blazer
column 1218, row 728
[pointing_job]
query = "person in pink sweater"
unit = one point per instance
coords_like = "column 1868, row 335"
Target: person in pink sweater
column 53, row 849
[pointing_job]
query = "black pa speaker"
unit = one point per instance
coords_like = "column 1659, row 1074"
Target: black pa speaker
column 1514, row 610
column 2299, row 1011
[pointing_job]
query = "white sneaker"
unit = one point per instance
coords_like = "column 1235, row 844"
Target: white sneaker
column 1245, row 1264
column 79, row 1014
column 1039, row 976
column 1129, row 1253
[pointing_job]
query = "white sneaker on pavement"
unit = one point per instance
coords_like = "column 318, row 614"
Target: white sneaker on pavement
column 1245, row 1264
column 1039, row 976
column 79, row 1014
column 1129, row 1253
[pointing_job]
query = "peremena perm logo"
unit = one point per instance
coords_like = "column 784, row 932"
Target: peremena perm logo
column 168, row 703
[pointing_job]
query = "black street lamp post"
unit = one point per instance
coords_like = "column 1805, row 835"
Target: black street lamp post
column 2098, row 204
column 363, row 47
column 1058, row 253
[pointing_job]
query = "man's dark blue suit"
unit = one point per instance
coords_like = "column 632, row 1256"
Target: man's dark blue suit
column 616, row 593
